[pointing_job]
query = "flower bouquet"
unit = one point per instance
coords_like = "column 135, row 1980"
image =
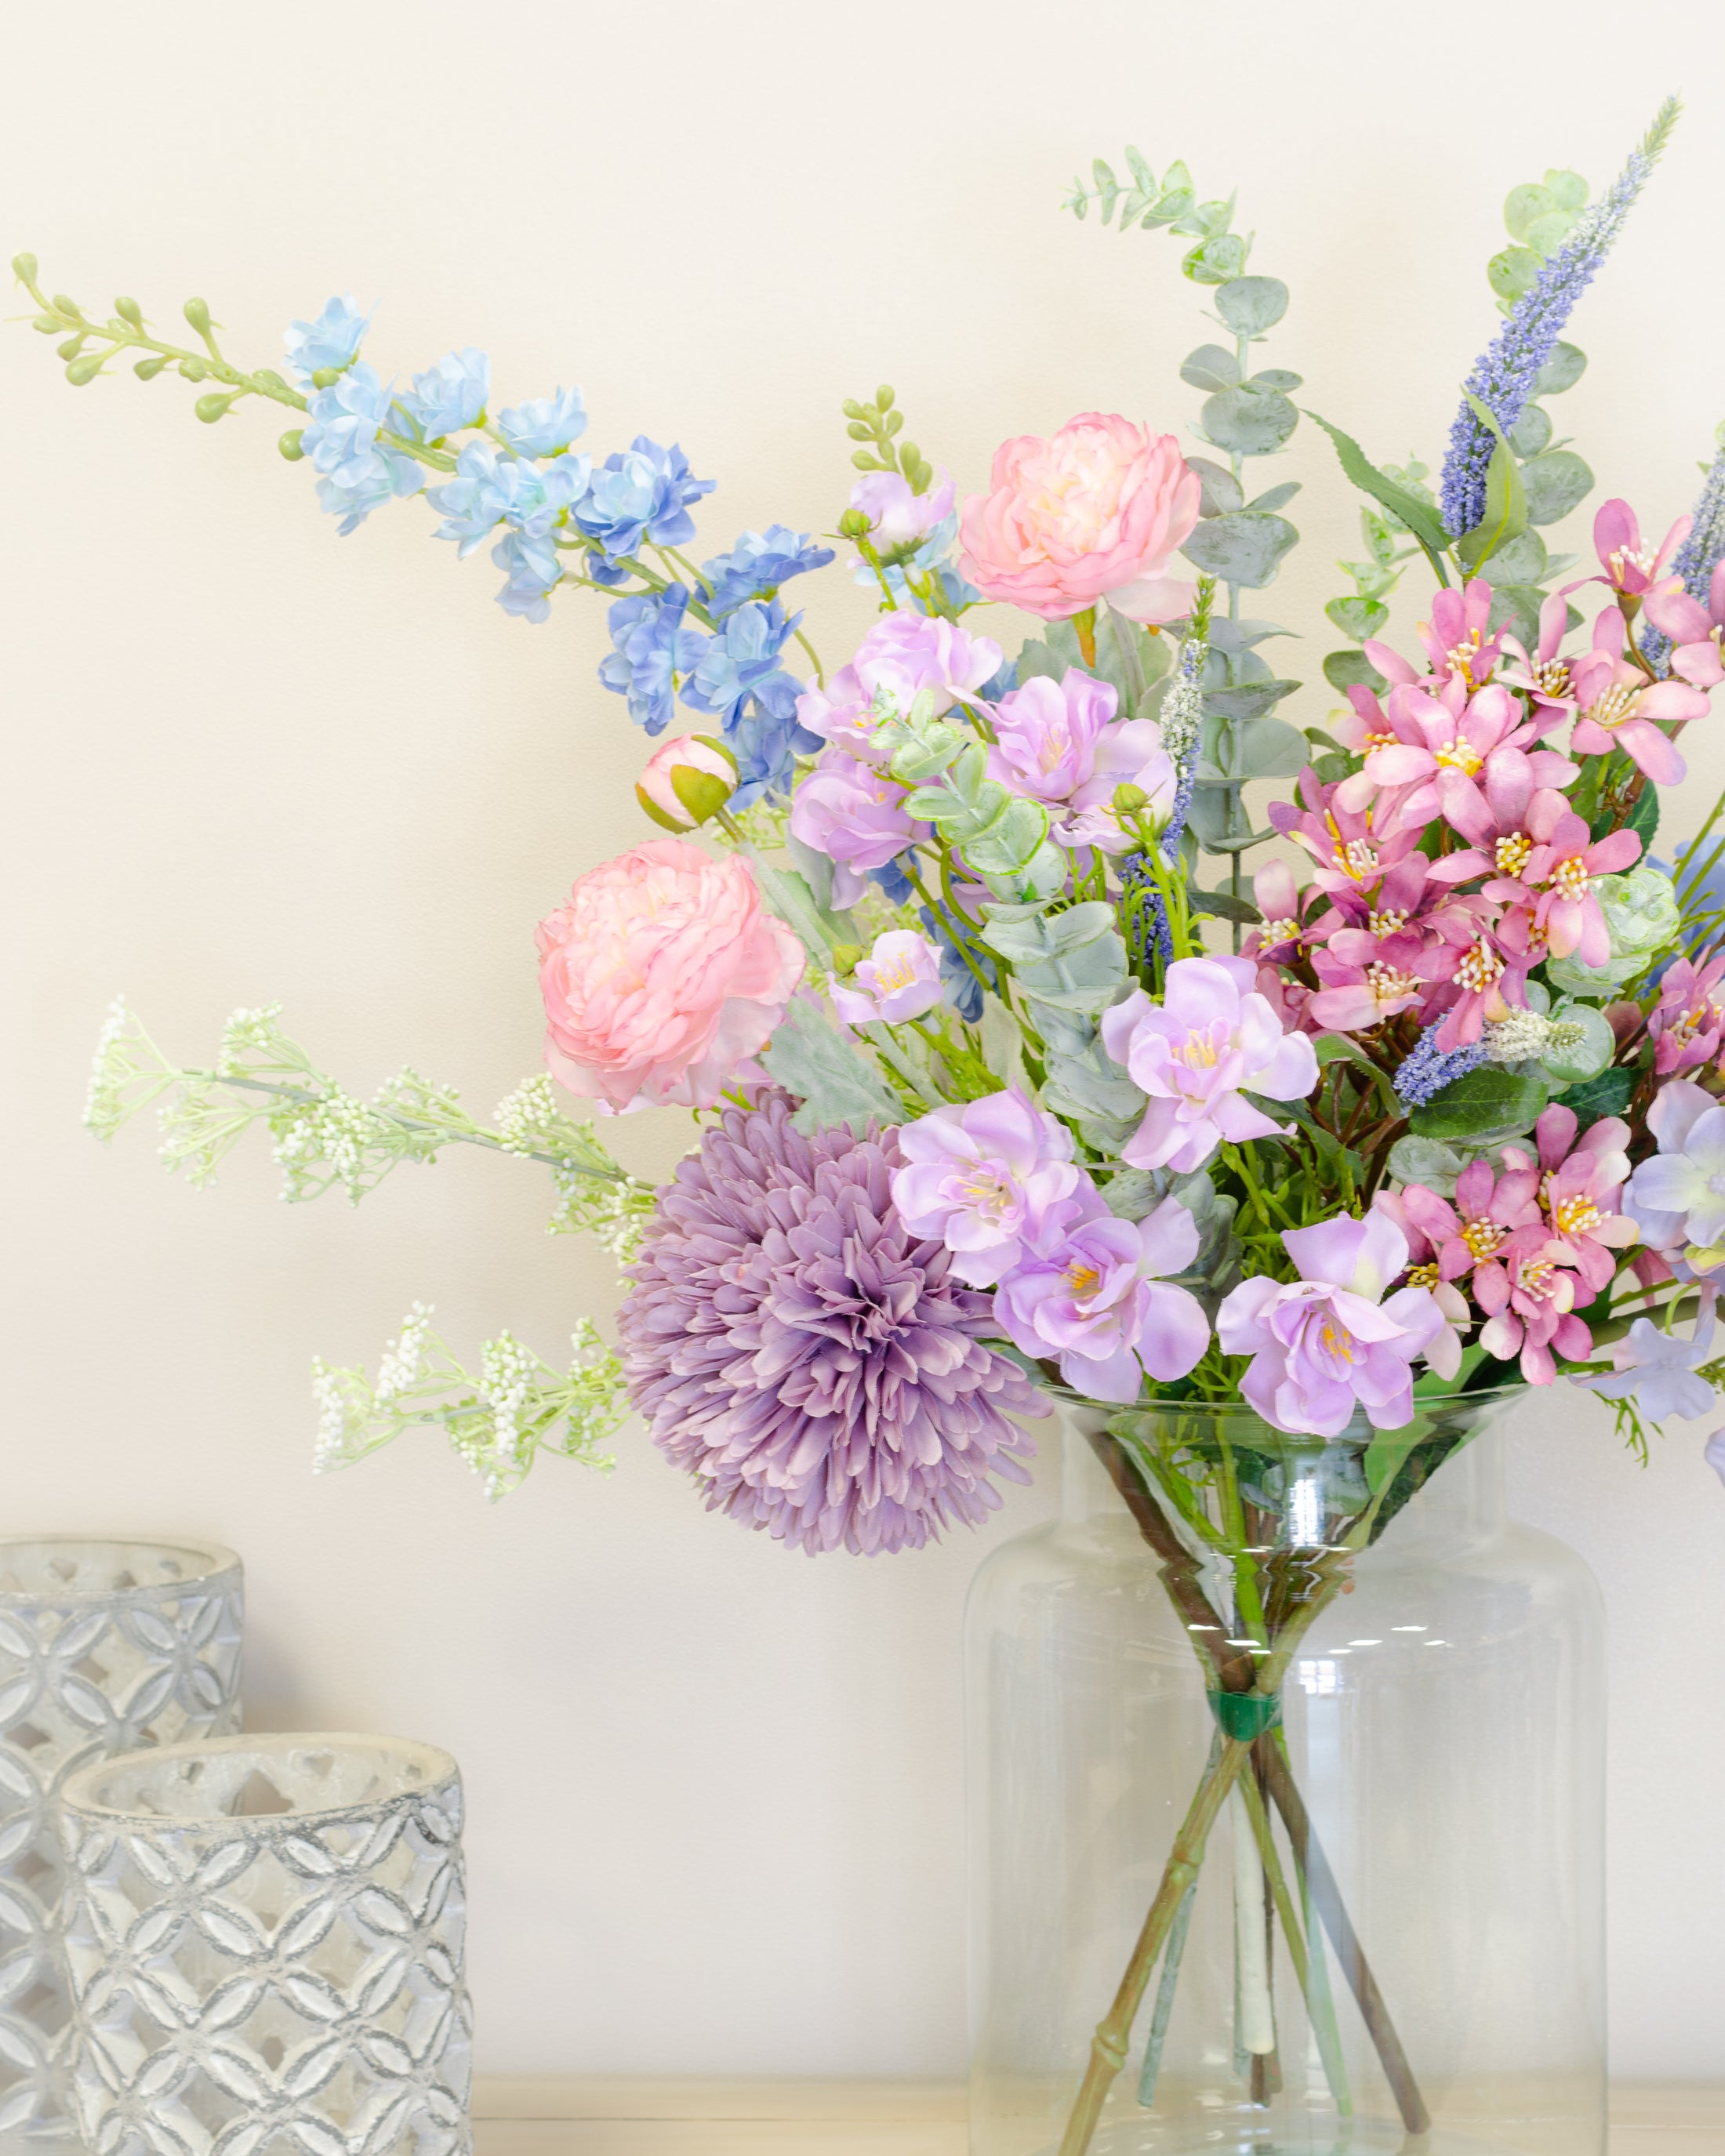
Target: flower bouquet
column 1013, row 1088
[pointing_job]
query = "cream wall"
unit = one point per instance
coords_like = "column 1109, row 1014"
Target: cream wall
column 714, row 1789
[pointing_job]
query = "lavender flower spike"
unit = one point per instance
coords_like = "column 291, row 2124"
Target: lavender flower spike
column 1428, row 1069
column 1695, row 559
column 1503, row 377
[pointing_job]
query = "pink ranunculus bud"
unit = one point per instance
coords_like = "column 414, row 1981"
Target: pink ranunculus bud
column 661, row 976
column 900, row 979
column 687, row 782
column 896, row 517
column 1095, row 511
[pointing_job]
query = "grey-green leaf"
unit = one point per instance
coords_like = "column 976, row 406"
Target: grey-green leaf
column 1489, row 1103
column 1555, row 484
column 1249, row 421
column 1254, row 699
column 1359, row 619
column 1353, row 670
column 1564, row 368
column 1531, row 432
column 1274, row 497
column 1244, row 548
column 1211, row 366
column 1251, row 304
column 1220, row 491
column 1422, row 520
column 1523, row 561
column 809, row 1056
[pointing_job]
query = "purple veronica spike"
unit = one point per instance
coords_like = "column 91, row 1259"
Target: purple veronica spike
column 1504, row 375
column 1430, row 1068
column 1695, row 559
column 817, row 1367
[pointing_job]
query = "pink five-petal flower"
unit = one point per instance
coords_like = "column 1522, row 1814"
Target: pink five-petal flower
column 1580, row 1190
column 1442, row 743
column 1529, row 1295
column 1617, row 541
column 1693, row 628
column 1352, row 847
column 1487, row 979
column 1211, row 1038
column 1487, row 1211
column 1618, row 706
column 981, row 1179
column 1457, row 639
column 1688, row 1020
column 1561, row 868
column 900, row 979
column 1286, row 929
column 1095, row 511
column 1540, row 672
column 1328, row 1344
column 1090, row 1294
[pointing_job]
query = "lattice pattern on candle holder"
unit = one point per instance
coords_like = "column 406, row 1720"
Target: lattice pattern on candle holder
column 264, row 1943
column 104, row 1646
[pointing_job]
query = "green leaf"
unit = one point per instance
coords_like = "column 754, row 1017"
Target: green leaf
column 1216, row 260
column 1222, row 906
column 1512, row 273
column 1219, row 819
column 1556, row 483
column 1422, row 521
column 1244, row 547
column 1255, row 700
column 1220, row 491
column 1359, row 619
column 1523, row 206
column 1564, row 368
column 1275, row 377
column 1594, row 1098
column 1515, row 607
column 1252, row 304
column 1504, row 514
column 1546, row 234
column 1523, row 560
column 1248, row 421
column 1274, row 497
column 809, row 1057
column 1643, row 819
column 1211, row 366
column 1489, row 1103
column 1593, row 1054
column 1338, row 1048
column 1349, row 669
column 1567, row 189
column 1531, row 432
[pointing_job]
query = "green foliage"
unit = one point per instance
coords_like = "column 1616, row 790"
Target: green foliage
column 879, row 424
column 1540, row 216
column 837, row 1084
column 1485, row 1105
column 1244, row 548
column 1594, row 1098
column 499, row 1418
column 1505, row 516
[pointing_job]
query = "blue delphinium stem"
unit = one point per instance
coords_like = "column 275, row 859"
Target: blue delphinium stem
column 1695, row 559
column 1430, row 1068
column 1504, row 376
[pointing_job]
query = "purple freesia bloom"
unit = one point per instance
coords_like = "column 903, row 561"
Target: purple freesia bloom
column 1211, row 1038
column 981, row 1179
column 898, row 658
column 1327, row 1342
column 1060, row 742
column 1675, row 1198
column 1658, row 1370
column 900, row 979
column 1089, row 1295
column 1715, row 1454
column 855, row 815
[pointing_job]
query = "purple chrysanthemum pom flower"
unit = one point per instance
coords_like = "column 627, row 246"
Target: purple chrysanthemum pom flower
column 814, row 1365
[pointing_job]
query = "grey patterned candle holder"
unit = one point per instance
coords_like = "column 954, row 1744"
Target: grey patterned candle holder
column 263, row 1938
column 104, row 1646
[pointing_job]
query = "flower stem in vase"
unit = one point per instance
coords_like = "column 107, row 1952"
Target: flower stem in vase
column 1306, row 1953
column 1251, row 1946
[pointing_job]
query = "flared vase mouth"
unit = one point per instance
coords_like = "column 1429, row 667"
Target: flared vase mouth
column 1197, row 1424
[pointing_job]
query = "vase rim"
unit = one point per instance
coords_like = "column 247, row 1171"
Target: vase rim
column 1441, row 1409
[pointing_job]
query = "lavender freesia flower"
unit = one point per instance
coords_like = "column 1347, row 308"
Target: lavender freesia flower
column 544, row 426
column 1210, row 1040
column 982, row 1179
column 1327, row 1343
column 899, row 659
column 806, row 1355
column 1060, row 743
column 1090, row 1294
column 1714, row 1454
column 1657, row 1369
column 329, row 342
column 897, row 517
column 855, row 815
column 1503, row 377
column 900, row 979
column 1678, row 1198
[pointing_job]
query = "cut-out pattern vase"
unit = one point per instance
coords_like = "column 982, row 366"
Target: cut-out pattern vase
column 105, row 1647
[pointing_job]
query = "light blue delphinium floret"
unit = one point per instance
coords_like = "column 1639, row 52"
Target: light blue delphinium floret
column 331, row 341
column 653, row 652
column 388, row 476
column 741, row 662
column 533, row 571
column 489, row 490
column 639, row 493
column 758, row 564
column 544, row 426
column 766, row 745
column 447, row 397
column 342, row 422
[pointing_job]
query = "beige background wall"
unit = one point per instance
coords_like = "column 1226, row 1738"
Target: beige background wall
column 714, row 1789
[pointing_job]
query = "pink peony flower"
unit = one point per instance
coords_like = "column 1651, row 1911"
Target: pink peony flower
column 1097, row 511
column 1327, row 1343
column 898, row 658
column 1617, row 541
column 687, row 780
column 896, row 517
column 981, row 1179
column 854, row 814
column 900, row 978
column 660, row 976
column 1209, row 1040
column 1090, row 1293
column 1618, row 706
column 1060, row 743
column 1693, row 628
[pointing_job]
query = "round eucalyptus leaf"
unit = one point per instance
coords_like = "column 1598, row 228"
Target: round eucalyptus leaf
column 1546, row 234
column 1275, row 378
column 1430, row 1163
column 1249, row 304
column 1569, row 190
column 1220, row 490
column 1359, row 619
column 1216, row 260
column 1523, row 561
column 1516, row 608
column 1253, row 701
column 1555, row 484
column 1564, row 368
column 1523, row 206
column 1531, row 432
column 1350, row 670
column 1249, row 421
column 1244, row 548
column 1211, row 366
column 1593, row 1053
column 1512, row 272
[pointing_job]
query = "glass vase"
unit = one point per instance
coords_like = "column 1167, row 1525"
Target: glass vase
column 1286, row 1790
column 105, row 1647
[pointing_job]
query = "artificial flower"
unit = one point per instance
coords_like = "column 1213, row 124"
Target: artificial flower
column 328, row 344
column 758, row 565
column 897, row 517
column 450, row 395
column 1618, row 706
column 900, row 979
column 687, row 782
column 1657, row 1369
column 639, row 493
column 1629, row 568
column 1678, row 1198
column 1060, row 743
column 544, row 426
column 981, row 1178
column 653, row 652
column 855, row 815
column 903, row 657
column 1692, row 628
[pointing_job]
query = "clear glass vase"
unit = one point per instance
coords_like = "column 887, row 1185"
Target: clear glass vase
column 1286, row 1790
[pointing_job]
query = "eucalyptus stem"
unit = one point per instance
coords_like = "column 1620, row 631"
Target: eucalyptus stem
column 1304, row 1954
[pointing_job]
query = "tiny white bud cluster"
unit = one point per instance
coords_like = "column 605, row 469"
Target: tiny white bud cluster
column 1529, row 1036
